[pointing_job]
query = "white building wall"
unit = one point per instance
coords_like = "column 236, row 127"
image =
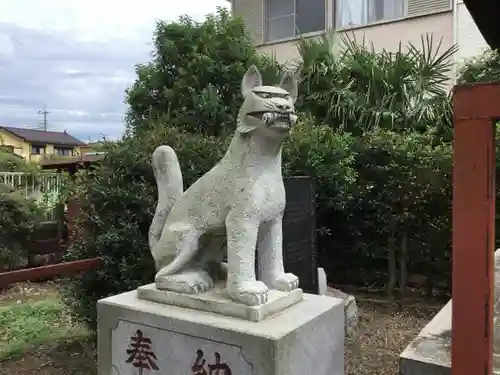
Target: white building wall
column 469, row 39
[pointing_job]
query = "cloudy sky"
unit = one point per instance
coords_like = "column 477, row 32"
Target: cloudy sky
column 76, row 57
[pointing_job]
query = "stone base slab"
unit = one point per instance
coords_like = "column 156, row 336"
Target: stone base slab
column 218, row 301
column 136, row 336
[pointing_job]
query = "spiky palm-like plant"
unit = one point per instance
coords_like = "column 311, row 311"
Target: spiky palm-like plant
column 352, row 86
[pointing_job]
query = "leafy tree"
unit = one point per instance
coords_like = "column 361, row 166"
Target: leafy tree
column 194, row 78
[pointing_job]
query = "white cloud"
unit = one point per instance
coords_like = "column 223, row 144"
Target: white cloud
column 77, row 57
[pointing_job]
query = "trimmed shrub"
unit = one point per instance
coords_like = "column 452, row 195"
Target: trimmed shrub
column 398, row 220
column 484, row 67
column 18, row 219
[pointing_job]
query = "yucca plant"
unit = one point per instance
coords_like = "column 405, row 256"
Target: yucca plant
column 352, row 86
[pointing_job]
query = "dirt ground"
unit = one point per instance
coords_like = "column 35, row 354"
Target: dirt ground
column 24, row 292
column 62, row 358
column 383, row 333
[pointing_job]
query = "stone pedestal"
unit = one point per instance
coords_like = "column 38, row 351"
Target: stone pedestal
column 218, row 301
column 139, row 337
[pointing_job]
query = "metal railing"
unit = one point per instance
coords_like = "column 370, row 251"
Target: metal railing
column 42, row 187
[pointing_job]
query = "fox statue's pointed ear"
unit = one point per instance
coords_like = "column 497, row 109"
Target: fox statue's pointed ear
column 289, row 83
column 251, row 79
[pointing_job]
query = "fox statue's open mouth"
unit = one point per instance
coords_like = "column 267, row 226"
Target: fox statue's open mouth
column 280, row 121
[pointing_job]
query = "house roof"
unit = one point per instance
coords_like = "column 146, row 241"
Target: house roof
column 44, row 137
column 485, row 15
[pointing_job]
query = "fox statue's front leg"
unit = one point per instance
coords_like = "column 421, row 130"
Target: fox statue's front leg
column 242, row 231
column 270, row 251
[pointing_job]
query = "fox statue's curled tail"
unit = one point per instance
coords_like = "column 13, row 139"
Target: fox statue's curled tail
column 168, row 175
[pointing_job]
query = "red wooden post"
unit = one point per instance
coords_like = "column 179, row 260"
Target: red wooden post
column 475, row 107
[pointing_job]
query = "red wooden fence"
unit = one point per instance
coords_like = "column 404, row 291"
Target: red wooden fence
column 49, row 272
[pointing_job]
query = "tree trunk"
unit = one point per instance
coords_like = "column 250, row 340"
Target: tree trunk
column 391, row 261
column 403, row 266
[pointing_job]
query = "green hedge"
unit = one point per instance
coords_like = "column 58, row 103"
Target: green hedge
column 18, row 220
column 400, row 211
column 357, row 204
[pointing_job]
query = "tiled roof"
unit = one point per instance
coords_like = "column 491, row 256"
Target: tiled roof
column 44, row 137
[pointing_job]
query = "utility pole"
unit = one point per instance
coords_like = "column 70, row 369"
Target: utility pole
column 44, row 113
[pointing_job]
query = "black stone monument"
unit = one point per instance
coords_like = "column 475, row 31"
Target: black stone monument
column 299, row 232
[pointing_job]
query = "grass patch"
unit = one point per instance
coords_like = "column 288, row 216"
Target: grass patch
column 27, row 325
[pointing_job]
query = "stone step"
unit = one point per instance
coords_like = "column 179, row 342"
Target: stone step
column 496, row 364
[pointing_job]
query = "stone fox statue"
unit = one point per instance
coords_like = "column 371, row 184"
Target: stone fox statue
column 242, row 196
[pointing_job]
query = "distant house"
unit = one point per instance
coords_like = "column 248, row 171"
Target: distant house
column 91, row 147
column 34, row 145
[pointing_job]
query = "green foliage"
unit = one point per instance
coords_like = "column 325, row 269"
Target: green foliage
column 194, row 76
column 482, row 68
column 403, row 188
column 119, row 206
column 18, row 220
column 28, row 324
column 351, row 86
column 364, row 185
column 13, row 163
column 374, row 133
column 121, row 198
column 320, row 152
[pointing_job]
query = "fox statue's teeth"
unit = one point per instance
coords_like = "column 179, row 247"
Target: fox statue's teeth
column 268, row 117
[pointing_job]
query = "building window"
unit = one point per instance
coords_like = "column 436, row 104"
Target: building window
column 37, row 149
column 363, row 12
column 290, row 18
column 63, row 151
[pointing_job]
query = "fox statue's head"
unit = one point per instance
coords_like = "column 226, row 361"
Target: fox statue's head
column 267, row 109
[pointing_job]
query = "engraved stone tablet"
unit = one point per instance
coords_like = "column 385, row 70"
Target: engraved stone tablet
column 139, row 349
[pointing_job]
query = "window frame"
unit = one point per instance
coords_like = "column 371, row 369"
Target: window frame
column 266, row 20
column 58, row 149
column 40, row 148
column 338, row 27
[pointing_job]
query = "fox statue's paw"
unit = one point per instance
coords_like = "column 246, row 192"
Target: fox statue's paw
column 250, row 293
column 193, row 281
column 286, row 282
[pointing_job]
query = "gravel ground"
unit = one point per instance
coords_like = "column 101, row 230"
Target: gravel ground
column 382, row 334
